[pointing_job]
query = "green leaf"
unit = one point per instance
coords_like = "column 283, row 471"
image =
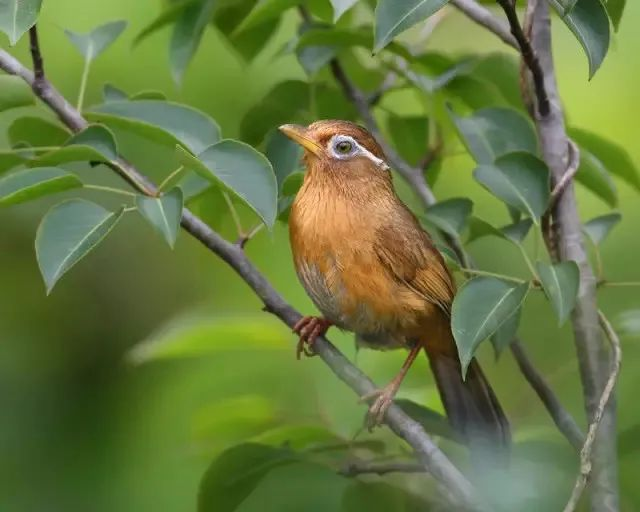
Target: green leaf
column 479, row 228
column 615, row 8
column 451, row 215
column 432, row 422
column 374, row 496
column 36, row 131
column 18, row 16
column 186, row 36
column 149, row 94
column 240, row 169
column 163, row 213
column 517, row 231
column 161, row 121
column 519, row 179
column 560, row 283
column 598, row 228
column 613, row 156
column 92, row 44
column 480, row 307
column 31, row 184
column 340, row 7
column 15, row 93
column 67, row 233
column 589, row 22
column 395, row 16
column 193, row 186
column 265, row 10
column 235, row 474
column 313, row 58
column 10, row 159
column 284, row 155
column 506, row 333
column 167, row 16
column 410, row 136
column 111, row 93
column 492, row 132
column 593, row 175
column 503, row 71
column 95, row 143
column 292, row 184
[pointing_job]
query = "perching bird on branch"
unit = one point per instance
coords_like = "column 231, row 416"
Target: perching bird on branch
column 371, row 269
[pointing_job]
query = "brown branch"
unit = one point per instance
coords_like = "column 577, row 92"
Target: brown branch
column 351, row 469
column 400, row 423
column 561, row 417
column 587, row 449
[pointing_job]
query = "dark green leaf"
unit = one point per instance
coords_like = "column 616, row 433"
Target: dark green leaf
column 111, row 93
column 410, row 136
column 98, row 40
column 517, row 231
column 265, row 10
column 593, row 175
column 94, row 144
column 479, row 228
column 18, row 16
column 598, row 228
column 292, row 184
column 432, row 422
column 589, row 22
column 481, row 306
column 10, row 159
column 451, row 215
column 379, row 497
column 15, row 93
column 36, row 131
column 560, row 282
column 161, row 121
column 163, row 213
column 506, row 333
column 186, row 36
column 613, row 156
column 67, row 233
column 393, row 17
column 167, row 16
column 284, row 155
column 519, row 179
column 492, row 132
column 30, row 184
column 234, row 475
column 615, row 8
column 241, row 169
column 340, row 7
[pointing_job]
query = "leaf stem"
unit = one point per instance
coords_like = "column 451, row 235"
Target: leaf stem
column 44, row 149
column 486, row 273
column 83, row 83
column 234, row 215
column 169, row 178
column 528, row 262
column 109, row 189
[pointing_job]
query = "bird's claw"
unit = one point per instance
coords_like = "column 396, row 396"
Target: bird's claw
column 309, row 328
column 377, row 410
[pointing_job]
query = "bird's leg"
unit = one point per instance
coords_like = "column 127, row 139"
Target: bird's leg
column 384, row 397
column 309, row 328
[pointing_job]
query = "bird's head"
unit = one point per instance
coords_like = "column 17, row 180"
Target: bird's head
column 339, row 146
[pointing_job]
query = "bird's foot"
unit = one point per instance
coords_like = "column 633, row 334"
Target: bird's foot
column 383, row 400
column 309, row 328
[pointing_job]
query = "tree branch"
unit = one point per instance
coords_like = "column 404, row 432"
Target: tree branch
column 592, row 354
column 379, row 468
column 427, row 452
column 484, row 17
column 587, row 449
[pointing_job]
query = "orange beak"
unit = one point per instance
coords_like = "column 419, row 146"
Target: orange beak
column 298, row 133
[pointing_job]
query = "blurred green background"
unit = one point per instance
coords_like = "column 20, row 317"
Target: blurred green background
column 84, row 428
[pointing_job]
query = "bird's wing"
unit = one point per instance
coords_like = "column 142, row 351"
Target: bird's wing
column 407, row 252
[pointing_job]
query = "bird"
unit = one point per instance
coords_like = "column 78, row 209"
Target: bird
column 370, row 268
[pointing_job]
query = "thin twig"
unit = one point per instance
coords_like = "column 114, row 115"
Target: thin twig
column 234, row 215
column 351, row 469
column 561, row 417
column 572, row 169
column 484, row 17
column 587, row 448
column 243, row 239
column 38, row 64
column 400, row 423
column 528, row 55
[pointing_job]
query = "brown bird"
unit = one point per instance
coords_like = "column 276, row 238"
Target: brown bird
column 370, row 268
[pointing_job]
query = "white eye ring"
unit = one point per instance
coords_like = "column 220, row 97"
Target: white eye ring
column 352, row 148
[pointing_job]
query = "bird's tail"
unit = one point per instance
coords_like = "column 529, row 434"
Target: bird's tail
column 471, row 405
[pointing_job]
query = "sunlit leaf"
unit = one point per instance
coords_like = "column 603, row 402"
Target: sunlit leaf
column 31, row 184
column 598, row 228
column 560, row 282
column 519, row 179
column 161, row 121
column 15, row 92
column 395, row 16
column 163, row 213
column 451, row 215
column 594, row 175
column 480, row 307
column 18, row 16
column 340, row 7
column 36, row 131
column 92, row 44
column 240, row 169
column 67, row 233
column 492, row 132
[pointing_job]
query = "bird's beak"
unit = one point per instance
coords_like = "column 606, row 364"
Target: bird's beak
column 297, row 134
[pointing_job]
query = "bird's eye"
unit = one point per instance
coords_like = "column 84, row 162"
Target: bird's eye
column 344, row 147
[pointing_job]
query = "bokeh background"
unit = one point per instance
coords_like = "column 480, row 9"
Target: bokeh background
column 85, row 427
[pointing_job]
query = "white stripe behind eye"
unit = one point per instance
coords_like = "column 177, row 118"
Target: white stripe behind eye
column 361, row 150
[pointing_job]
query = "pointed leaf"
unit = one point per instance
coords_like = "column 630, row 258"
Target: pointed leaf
column 92, row 44
column 30, row 184
column 450, row 215
column 186, row 36
column 593, row 175
column 161, row 121
column 598, row 228
column 167, row 16
column 163, row 213
column 95, row 143
column 67, row 233
column 506, row 333
column 242, row 170
column 480, row 307
column 479, row 228
column 15, row 93
column 560, row 282
column 395, row 16
column 340, row 7
column 589, row 22
column 284, row 155
column 36, row 131
column 492, row 132
column 263, row 11
column 615, row 8
column 111, row 93
column 517, row 231
column 18, row 16
column 519, row 179
column 149, row 94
